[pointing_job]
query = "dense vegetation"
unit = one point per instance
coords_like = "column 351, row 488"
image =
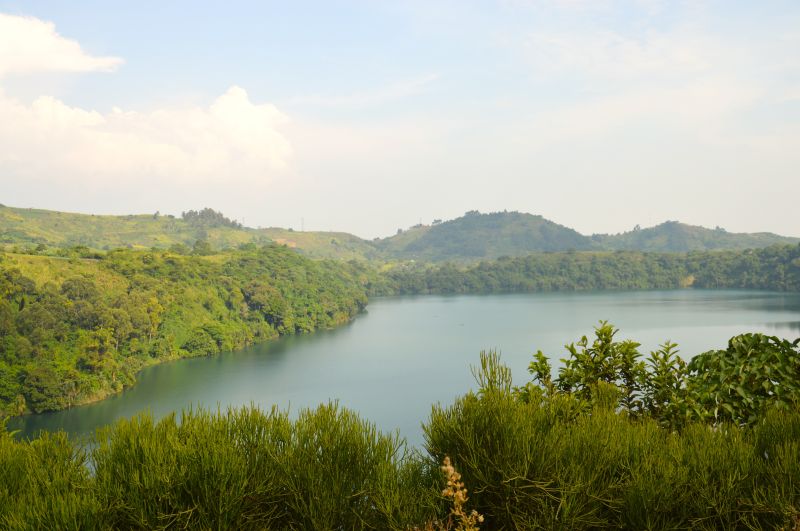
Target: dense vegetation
column 208, row 217
column 773, row 268
column 472, row 237
column 564, row 464
column 593, row 448
column 75, row 330
column 738, row 385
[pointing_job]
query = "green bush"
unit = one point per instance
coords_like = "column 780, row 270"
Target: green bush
column 536, row 464
column 754, row 374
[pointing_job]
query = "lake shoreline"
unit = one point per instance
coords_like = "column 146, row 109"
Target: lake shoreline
column 403, row 354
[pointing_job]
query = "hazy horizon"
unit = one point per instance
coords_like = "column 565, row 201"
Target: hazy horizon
column 368, row 117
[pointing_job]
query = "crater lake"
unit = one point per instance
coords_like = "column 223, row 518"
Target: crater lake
column 404, row 354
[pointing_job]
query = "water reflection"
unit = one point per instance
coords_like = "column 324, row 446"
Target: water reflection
column 785, row 328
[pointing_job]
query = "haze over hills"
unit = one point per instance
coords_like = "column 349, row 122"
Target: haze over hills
column 471, row 237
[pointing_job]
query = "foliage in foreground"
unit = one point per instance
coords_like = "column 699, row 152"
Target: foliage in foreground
column 242, row 469
column 738, row 385
column 619, row 443
column 527, row 465
column 545, row 466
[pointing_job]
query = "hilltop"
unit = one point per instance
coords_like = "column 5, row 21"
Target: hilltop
column 673, row 236
column 483, row 236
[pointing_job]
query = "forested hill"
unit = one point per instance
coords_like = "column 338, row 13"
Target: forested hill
column 470, row 238
column 76, row 330
column 477, row 236
column 673, row 236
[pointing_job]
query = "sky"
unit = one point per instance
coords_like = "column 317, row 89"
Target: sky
column 369, row 116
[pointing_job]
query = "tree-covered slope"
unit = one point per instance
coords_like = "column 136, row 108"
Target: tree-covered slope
column 478, row 236
column 774, row 268
column 76, row 330
column 673, row 236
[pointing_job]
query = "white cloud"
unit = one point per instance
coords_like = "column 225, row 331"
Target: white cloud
column 29, row 45
column 232, row 139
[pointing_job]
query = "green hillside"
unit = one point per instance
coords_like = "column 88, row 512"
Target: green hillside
column 477, row 236
column 333, row 245
column 29, row 227
column 673, row 236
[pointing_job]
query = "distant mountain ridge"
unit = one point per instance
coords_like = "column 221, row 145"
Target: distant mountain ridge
column 673, row 236
column 471, row 237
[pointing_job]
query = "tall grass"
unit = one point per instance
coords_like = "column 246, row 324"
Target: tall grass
column 240, row 469
column 540, row 464
column 44, row 484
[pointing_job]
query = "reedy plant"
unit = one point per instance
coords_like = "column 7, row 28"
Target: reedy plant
column 45, row 484
column 245, row 469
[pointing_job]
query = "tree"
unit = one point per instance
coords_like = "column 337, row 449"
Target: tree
column 607, row 361
column 202, row 248
column 41, row 388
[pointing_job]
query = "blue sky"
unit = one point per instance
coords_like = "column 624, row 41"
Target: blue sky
column 369, row 116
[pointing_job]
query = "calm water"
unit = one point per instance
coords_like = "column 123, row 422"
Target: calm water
column 405, row 354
